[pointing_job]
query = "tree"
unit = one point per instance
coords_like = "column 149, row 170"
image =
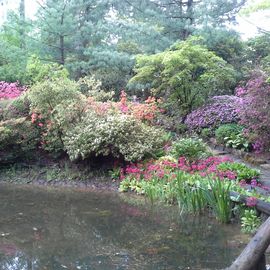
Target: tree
column 15, row 47
column 78, row 34
column 176, row 20
column 228, row 45
column 187, row 74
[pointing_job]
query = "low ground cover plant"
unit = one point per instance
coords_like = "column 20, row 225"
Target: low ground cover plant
column 242, row 171
column 227, row 131
column 196, row 186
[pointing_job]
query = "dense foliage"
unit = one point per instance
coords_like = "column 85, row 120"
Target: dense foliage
column 187, row 74
column 254, row 113
column 218, row 110
column 118, row 135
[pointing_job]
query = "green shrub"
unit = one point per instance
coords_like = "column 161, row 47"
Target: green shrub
column 113, row 134
column 190, row 148
column 237, row 141
column 227, row 131
column 92, row 87
column 3, row 105
column 18, row 139
column 206, row 133
column 46, row 95
column 242, row 171
column 37, row 72
column 56, row 105
column 250, row 222
column 17, row 108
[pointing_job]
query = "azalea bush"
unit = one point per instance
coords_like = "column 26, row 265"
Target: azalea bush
column 115, row 134
column 10, row 90
column 254, row 112
column 56, row 105
column 218, row 110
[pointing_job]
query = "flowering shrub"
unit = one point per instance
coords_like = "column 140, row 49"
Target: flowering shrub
column 254, row 112
column 56, row 106
column 146, row 111
column 219, row 110
column 10, row 90
column 115, row 134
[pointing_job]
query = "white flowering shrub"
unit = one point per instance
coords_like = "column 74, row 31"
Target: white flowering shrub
column 113, row 134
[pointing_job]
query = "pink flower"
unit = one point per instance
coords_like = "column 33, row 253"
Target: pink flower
column 251, row 201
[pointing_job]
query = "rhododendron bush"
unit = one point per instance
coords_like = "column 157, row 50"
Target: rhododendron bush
column 219, row 110
column 10, row 90
column 254, row 112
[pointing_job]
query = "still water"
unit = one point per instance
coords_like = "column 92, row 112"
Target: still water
column 54, row 229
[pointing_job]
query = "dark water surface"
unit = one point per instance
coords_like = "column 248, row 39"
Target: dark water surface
column 57, row 229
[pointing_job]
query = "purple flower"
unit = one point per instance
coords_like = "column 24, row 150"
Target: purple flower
column 219, row 110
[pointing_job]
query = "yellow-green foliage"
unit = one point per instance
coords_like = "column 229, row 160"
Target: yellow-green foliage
column 187, row 72
column 113, row 134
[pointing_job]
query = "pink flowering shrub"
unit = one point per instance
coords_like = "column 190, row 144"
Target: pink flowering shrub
column 254, row 112
column 219, row 110
column 10, row 90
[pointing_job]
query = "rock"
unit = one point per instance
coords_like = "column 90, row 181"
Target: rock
column 265, row 166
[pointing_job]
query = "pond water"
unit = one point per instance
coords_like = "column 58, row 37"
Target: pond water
column 58, row 229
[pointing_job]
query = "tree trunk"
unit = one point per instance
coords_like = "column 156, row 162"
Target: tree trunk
column 62, row 50
column 22, row 19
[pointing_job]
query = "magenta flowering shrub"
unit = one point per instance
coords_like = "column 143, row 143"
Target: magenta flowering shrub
column 254, row 112
column 10, row 90
column 219, row 110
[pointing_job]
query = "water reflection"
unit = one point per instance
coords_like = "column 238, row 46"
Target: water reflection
column 70, row 229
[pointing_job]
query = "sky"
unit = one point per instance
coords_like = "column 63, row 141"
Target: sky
column 246, row 25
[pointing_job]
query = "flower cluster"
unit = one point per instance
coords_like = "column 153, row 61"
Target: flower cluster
column 146, row 111
column 219, row 110
column 166, row 168
column 251, row 201
column 10, row 90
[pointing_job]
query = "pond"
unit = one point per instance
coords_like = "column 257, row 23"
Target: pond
column 54, row 229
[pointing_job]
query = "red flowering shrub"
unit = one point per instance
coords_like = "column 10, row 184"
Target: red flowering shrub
column 10, row 90
column 254, row 112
